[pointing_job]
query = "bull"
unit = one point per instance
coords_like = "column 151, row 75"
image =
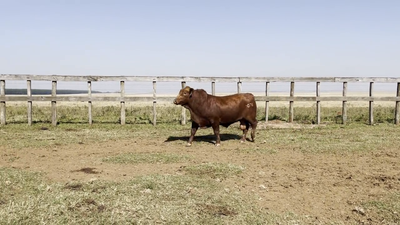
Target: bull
column 212, row 111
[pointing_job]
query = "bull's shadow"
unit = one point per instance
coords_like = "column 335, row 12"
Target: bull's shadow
column 210, row 138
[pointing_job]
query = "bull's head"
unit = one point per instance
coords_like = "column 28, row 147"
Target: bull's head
column 184, row 96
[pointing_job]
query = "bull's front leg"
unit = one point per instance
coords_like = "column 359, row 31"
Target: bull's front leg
column 215, row 127
column 195, row 126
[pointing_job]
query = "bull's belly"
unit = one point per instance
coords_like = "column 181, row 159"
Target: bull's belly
column 230, row 120
column 204, row 123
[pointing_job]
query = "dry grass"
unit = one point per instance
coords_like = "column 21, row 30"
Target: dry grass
column 197, row 195
column 28, row 199
column 130, row 158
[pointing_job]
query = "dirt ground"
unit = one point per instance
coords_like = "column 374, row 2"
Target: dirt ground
column 323, row 186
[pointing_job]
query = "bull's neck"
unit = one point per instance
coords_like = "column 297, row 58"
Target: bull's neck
column 198, row 103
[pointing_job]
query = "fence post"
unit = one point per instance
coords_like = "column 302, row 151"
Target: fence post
column 29, row 94
column 122, row 84
column 291, row 110
column 344, row 103
column 183, row 115
column 239, row 87
column 89, row 84
column 154, row 103
column 54, row 103
column 371, row 104
column 397, row 109
column 2, row 103
column 213, row 88
column 318, row 94
column 266, row 102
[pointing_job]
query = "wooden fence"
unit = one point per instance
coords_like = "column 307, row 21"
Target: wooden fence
column 54, row 98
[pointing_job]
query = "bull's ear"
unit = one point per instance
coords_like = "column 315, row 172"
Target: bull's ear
column 191, row 92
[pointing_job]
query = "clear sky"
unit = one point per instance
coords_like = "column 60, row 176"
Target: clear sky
column 201, row 37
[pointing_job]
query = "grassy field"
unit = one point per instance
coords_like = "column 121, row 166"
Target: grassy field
column 172, row 114
column 202, row 190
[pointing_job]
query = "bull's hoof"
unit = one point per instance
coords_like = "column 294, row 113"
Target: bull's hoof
column 188, row 144
column 218, row 144
column 242, row 141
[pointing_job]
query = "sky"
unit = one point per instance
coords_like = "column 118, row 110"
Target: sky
column 284, row 38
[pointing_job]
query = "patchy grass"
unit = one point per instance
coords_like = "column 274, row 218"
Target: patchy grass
column 26, row 198
column 324, row 139
column 333, row 139
column 136, row 158
column 43, row 134
column 387, row 207
column 196, row 195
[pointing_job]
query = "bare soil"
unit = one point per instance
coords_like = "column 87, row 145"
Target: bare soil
column 323, row 186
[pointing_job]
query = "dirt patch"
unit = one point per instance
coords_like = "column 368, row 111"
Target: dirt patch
column 324, row 186
column 74, row 187
column 87, row 170
column 285, row 125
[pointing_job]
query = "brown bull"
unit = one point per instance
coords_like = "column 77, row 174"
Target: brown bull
column 211, row 111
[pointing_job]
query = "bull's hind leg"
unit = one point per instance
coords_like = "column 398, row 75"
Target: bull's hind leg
column 215, row 127
column 253, row 129
column 244, row 125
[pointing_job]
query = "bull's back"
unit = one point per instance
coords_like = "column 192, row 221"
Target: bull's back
column 236, row 107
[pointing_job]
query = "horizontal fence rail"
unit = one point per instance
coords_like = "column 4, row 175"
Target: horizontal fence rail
column 122, row 98
column 196, row 79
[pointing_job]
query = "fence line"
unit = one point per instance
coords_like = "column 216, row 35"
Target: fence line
column 54, row 98
column 195, row 79
column 318, row 102
column 397, row 110
column 2, row 102
column 90, row 102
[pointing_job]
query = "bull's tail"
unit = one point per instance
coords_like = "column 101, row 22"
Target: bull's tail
column 253, row 117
